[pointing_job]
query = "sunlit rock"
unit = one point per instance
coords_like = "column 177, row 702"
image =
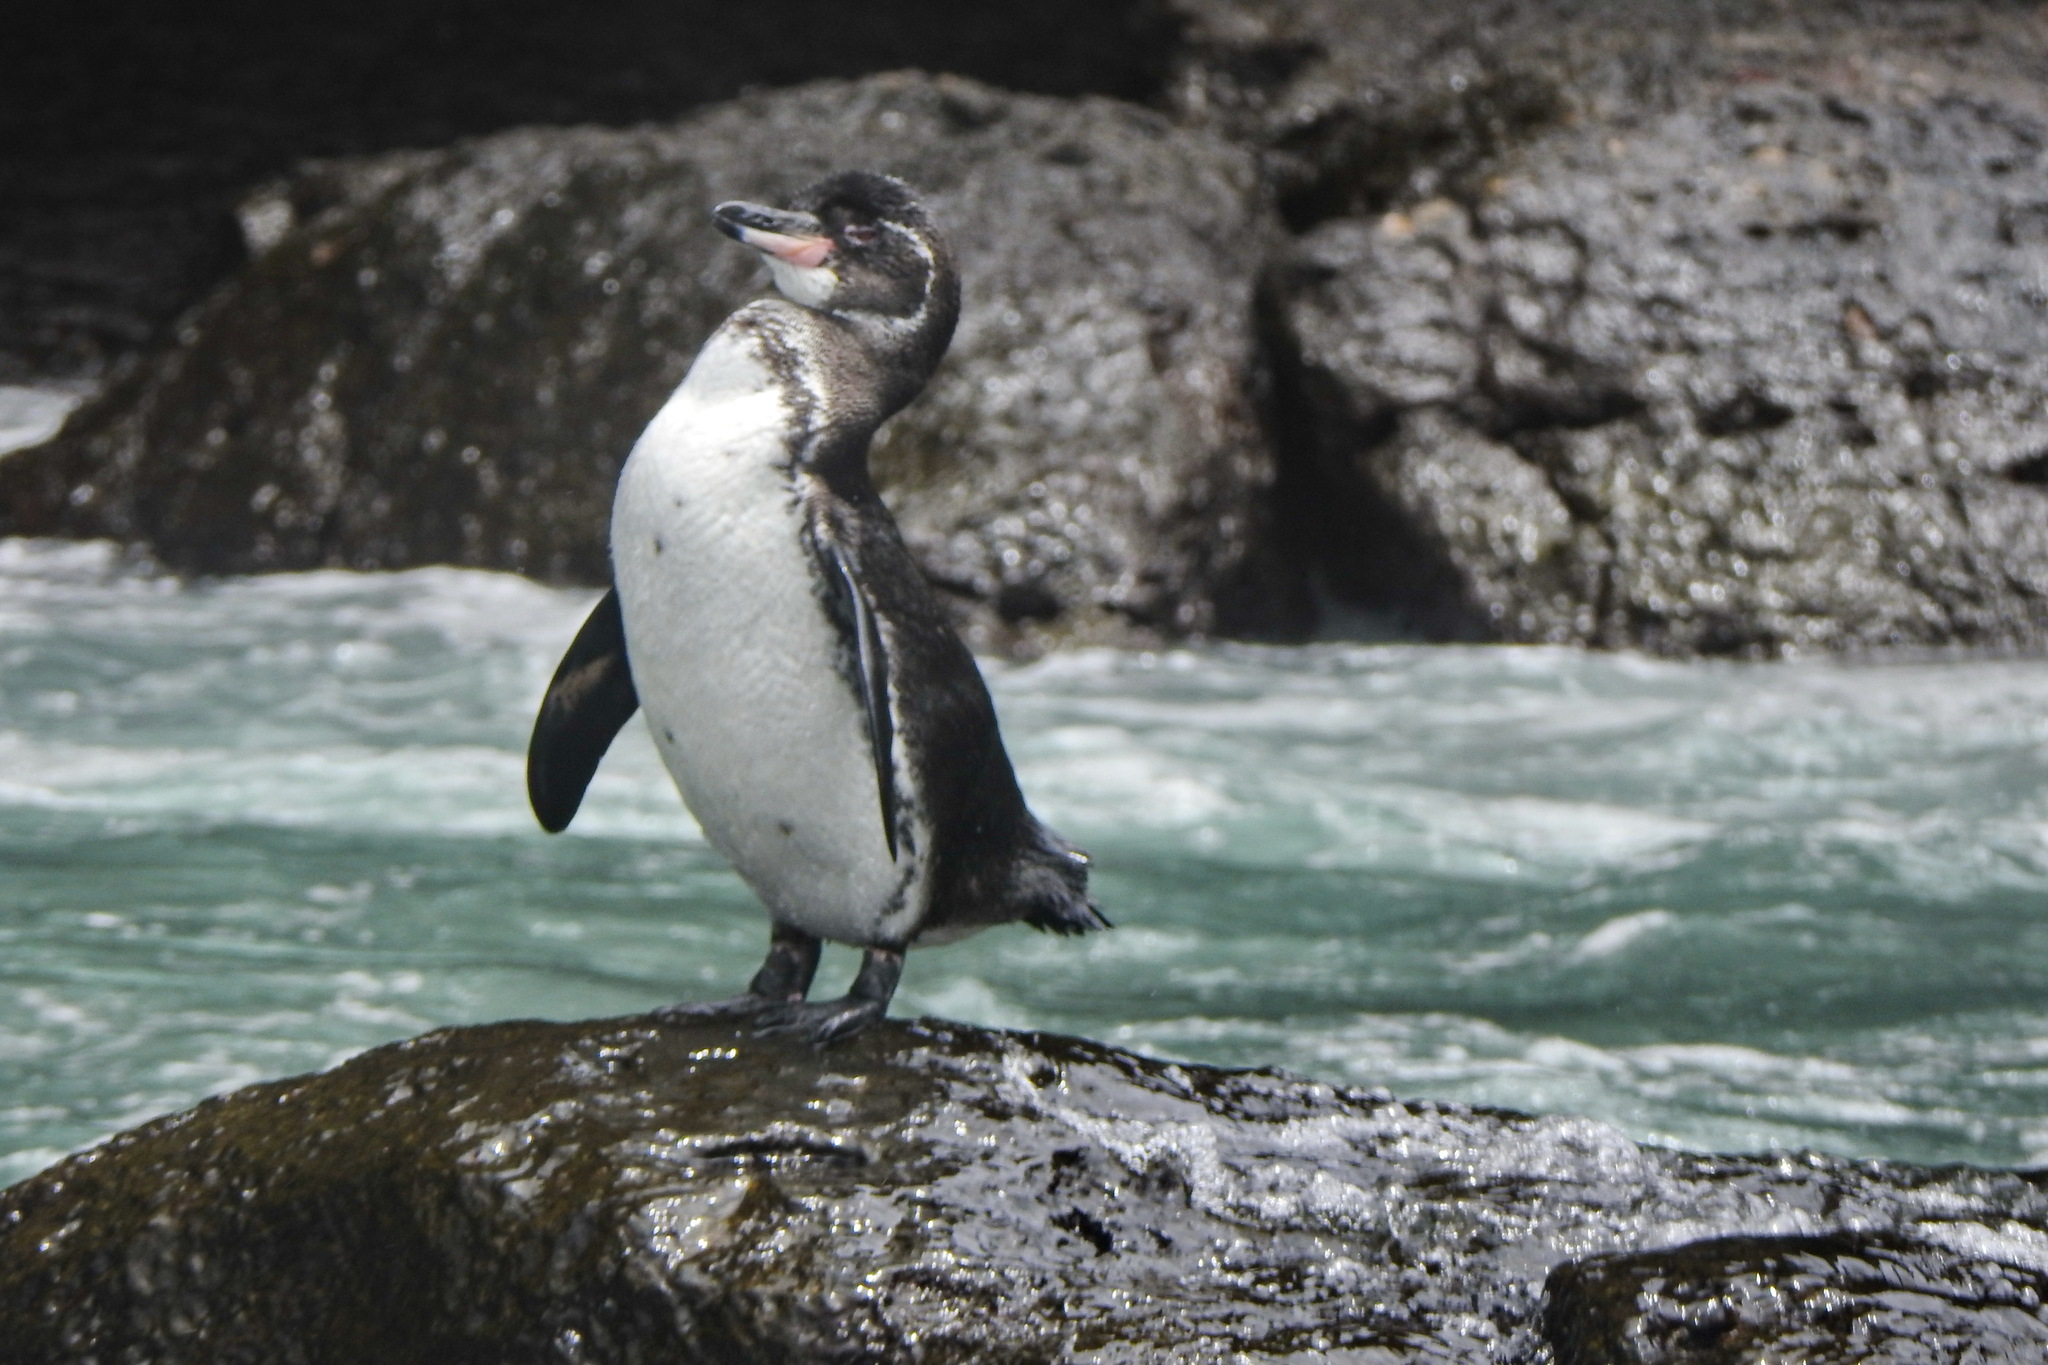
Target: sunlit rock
column 445, row 356
column 620, row 1191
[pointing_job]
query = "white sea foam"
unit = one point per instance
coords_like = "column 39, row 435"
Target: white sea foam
column 32, row 414
column 1619, row 933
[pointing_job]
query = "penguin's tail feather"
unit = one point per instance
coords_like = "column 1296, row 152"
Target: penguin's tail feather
column 1050, row 886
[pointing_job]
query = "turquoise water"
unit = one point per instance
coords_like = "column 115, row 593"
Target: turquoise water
column 249, row 827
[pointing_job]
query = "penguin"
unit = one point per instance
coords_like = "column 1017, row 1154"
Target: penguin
column 820, row 717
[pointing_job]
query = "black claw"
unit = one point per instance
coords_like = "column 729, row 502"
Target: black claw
column 822, row 1023
column 776, row 1014
column 775, row 1002
column 746, row 1006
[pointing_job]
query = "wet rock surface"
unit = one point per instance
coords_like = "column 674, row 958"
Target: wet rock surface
column 445, row 356
column 619, row 1191
column 1815, row 1299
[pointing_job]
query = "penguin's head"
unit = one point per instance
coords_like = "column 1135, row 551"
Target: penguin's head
column 860, row 247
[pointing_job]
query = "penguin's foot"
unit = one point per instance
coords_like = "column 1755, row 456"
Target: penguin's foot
column 709, row 1011
column 783, row 981
column 820, row 1022
column 831, row 1021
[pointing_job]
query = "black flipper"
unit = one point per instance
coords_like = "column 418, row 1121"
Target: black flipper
column 872, row 665
column 590, row 698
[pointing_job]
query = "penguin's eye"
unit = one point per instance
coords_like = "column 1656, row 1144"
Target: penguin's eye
column 860, row 234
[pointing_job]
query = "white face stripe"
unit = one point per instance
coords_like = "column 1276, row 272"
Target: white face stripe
column 813, row 286
column 890, row 323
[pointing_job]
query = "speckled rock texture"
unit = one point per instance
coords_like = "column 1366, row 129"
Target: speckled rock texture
column 445, row 356
column 626, row 1191
column 1701, row 329
column 1696, row 328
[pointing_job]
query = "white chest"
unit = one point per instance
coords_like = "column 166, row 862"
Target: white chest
column 738, row 666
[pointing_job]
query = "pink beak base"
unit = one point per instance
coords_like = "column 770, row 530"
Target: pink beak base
column 806, row 252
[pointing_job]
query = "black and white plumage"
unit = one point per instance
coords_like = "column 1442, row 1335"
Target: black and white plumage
column 818, row 713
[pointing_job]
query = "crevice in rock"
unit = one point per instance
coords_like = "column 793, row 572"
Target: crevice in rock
column 1089, row 1229
column 1751, row 1297
column 1855, row 431
column 1924, row 383
column 1253, row 73
column 1748, row 410
column 2033, row 470
column 1509, row 415
column 1342, row 532
column 781, row 1146
column 1365, row 166
column 1029, row 601
column 1842, row 229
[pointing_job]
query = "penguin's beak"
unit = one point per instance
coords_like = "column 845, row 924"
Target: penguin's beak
column 797, row 238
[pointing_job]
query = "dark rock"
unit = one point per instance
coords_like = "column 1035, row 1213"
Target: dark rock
column 1696, row 328
column 621, row 1191
column 1362, row 106
column 1358, row 108
column 1817, row 1300
column 1748, row 358
column 128, row 131
column 445, row 356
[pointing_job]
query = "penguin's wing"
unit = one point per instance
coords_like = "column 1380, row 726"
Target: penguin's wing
column 871, row 663
column 590, row 698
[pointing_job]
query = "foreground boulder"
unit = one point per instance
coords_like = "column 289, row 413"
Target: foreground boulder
column 1697, row 329
column 445, row 356
column 623, row 1191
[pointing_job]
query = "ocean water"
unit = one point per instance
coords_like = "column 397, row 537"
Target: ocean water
column 32, row 414
column 251, row 826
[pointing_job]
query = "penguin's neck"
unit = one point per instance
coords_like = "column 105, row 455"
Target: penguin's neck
column 904, row 350
column 892, row 355
column 844, row 375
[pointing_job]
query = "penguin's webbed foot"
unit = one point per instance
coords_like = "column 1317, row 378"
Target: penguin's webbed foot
column 820, row 1022
column 711, row 1011
column 831, row 1021
column 783, row 981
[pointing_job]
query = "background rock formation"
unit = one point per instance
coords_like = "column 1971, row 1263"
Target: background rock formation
column 1695, row 328
column 129, row 132
column 444, row 357
column 619, row 1191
